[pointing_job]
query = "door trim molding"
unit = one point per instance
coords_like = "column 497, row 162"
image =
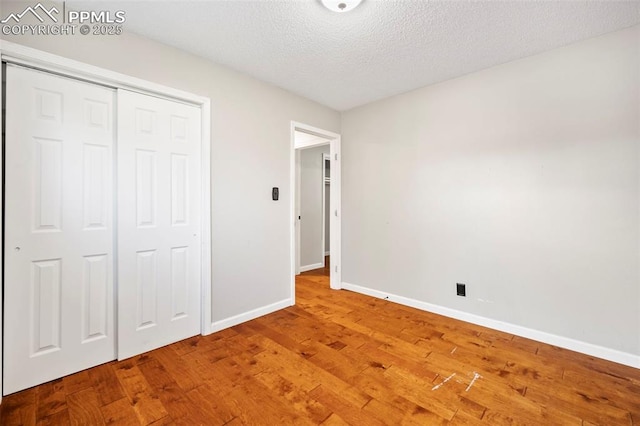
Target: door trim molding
column 335, row 238
column 33, row 58
column 324, row 184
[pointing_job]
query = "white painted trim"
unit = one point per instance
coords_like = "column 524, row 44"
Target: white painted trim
column 335, row 223
column 323, row 184
column 638, row 236
column 248, row 316
column 327, row 253
column 294, row 238
column 325, row 134
column 552, row 339
column 22, row 55
column 311, row 267
column 297, row 209
column 205, row 227
column 311, row 144
column 1, row 254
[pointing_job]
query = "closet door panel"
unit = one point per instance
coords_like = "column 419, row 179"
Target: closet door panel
column 59, row 310
column 159, row 222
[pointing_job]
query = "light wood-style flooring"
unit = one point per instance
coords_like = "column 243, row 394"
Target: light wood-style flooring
column 339, row 358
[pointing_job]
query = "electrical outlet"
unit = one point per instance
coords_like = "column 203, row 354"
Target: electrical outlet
column 461, row 289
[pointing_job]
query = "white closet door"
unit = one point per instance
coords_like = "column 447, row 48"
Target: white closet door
column 59, row 313
column 158, row 222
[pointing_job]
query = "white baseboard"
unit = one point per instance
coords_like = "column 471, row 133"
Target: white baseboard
column 248, row 316
column 311, row 267
column 327, row 253
column 564, row 342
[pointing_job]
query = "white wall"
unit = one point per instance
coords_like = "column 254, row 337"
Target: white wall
column 311, row 187
column 521, row 181
column 250, row 128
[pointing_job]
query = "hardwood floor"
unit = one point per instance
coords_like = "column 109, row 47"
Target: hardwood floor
column 338, row 358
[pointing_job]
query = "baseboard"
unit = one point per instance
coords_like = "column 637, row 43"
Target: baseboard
column 311, row 267
column 540, row 336
column 327, row 253
column 248, row 316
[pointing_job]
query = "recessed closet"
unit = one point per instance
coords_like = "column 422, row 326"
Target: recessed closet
column 103, row 234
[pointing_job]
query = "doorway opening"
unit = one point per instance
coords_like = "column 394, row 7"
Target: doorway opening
column 315, row 203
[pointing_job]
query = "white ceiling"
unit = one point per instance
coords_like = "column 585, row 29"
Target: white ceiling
column 380, row 49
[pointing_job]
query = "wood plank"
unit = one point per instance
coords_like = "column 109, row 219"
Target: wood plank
column 77, row 382
column 334, row 420
column 258, row 327
column 179, row 368
column 59, row 418
column 462, row 418
column 301, row 401
column 375, row 384
column 19, row 408
column 173, row 399
column 212, row 404
column 106, row 384
column 590, row 409
column 393, row 415
column 418, row 391
column 119, row 413
column 145, row 402
column 379, row 357
column 343, row 408
column 306, row 375
column 252, row 401
column 84, row 408
column 51, row 399
column 608, row 393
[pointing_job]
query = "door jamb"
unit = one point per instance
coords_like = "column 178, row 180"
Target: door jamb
column 335, row 238
column 324, row 184
column 1, row 239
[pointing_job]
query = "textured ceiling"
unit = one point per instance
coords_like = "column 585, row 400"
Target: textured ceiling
column 380, row 49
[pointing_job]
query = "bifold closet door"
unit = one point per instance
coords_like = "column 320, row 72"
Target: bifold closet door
column 159, row 237
column 58, row 282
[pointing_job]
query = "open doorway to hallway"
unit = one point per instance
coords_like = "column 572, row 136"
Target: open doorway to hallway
column 315, row 176
column 310, row 197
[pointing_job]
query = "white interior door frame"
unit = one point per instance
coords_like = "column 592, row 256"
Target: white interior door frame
column 324, row 184
column 297, row 212
column 335, row 239
column 1, row 244
column 26, row 56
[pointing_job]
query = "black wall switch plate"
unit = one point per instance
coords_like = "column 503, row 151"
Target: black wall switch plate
column 461, row 289
column 275, row 193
